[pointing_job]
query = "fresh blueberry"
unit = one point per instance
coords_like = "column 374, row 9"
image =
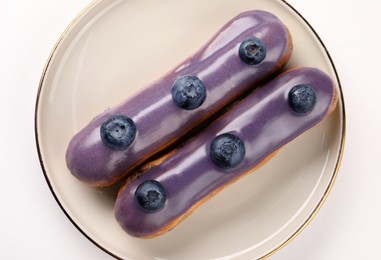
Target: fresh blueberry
column 118, row 132
column 252, row 51
column 302, row 98
column 188, row 92
column 227, row 151
column 150, row 196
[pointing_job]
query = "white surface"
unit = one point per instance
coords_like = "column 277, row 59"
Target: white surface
column 34, row 227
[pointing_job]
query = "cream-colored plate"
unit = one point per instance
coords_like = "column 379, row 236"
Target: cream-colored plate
column 114, row 48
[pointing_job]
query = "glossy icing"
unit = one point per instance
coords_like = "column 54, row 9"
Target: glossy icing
column 159, row 121
column 264, row 121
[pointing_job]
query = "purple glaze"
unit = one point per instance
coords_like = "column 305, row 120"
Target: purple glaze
column 159, row 121
column 264, row 121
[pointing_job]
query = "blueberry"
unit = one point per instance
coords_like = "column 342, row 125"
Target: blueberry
column 118, row 132
column 227, row 151
column 252, row 51
column 188, row 92
column 302, row 98
column 150, row 196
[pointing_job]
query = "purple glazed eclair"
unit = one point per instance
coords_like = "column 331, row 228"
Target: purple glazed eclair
column 235, row 144
column 248, row 49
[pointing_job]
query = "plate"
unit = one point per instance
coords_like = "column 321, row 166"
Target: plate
column 112, row 49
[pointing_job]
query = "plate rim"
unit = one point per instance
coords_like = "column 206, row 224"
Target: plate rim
column 266, row 255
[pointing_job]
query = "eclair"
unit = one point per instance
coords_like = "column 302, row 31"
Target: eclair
column 238, row 142
column 249, row 48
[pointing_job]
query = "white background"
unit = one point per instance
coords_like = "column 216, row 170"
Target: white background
column 32, row 226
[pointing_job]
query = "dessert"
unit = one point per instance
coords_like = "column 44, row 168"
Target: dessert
column 166, row 191
column 249, row 48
